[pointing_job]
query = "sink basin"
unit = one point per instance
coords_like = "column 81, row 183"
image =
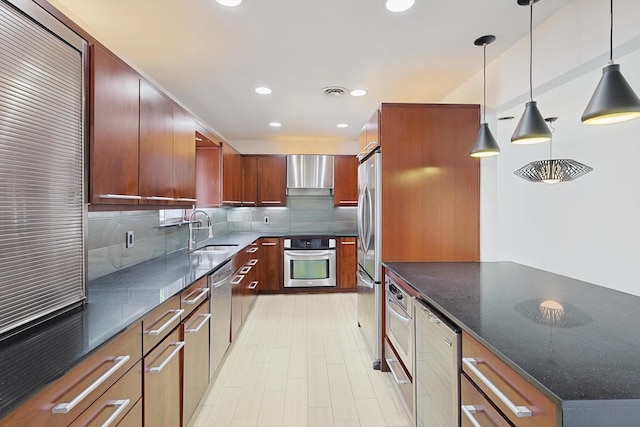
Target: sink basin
column 214, row 249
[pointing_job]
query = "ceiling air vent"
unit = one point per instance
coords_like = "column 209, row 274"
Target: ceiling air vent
column 334, row 91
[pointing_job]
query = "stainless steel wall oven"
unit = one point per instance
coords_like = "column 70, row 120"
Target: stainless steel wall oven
column 309, row 262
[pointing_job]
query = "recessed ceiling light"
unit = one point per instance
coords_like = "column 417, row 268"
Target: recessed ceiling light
column 262, row 90
column 230, row 3
column 399, row 5
column 275, row 124
column 343, row 125
column 358, row 92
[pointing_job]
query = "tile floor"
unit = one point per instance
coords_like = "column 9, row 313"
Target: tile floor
column 300, row 360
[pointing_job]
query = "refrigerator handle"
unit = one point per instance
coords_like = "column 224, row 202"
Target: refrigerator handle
column 369, row 217
column 361, row 220
column 365, row 280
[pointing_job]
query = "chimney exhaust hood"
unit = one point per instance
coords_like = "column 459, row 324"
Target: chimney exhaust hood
column 309, row 175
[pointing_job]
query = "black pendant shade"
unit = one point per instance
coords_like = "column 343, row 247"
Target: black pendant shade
column 613, row 101
column 531, row 129
column 485, row 144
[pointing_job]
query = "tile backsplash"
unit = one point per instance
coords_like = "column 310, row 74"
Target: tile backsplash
column 107, row 230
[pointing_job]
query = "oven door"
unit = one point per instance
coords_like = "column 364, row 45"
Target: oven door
column 400, row 331
column 309, row 268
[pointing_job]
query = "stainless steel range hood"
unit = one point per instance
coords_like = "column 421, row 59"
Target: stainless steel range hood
column 309, row 175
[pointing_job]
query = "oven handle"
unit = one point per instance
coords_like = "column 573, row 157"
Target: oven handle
column 310, row 254
column 400, row 317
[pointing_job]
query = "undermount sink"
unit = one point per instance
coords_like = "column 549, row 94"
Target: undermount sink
column 214, row 249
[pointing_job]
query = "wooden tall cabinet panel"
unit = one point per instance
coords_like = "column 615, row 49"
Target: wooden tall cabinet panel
column 113, row 130
column 270, row 264
column 272, row 181
column 156, row 146
column 430, row 185
column 346, row 263
column 184, row 157
column 249, row 180
column 207, row 172
column 345, row 191
column 231, row 176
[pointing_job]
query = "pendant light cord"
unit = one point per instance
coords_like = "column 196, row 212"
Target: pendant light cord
column 611, row 36
column 484, row 83
column 531, row 50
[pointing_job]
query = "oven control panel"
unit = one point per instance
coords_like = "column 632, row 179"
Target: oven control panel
column 310, row 243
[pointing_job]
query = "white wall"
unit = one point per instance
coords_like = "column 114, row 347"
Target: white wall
column 588, row 229
column 313, row 146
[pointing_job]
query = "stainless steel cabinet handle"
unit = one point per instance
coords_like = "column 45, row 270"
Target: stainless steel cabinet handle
column 400, row 317
column 120, row 196
column 348, row 243
column 232, row 201
column 195, row 330
column 253, row 250
column 178, row 346
column 245, row 269
column 184, row 199
column 468, row 411
column 176, row 316
column 237, row 279
column 347, row 202
column 248, row 203
column 271, row 202
column 391, row 362
column 518, row 411
column 433, row 318
column 166, row 199
column 252, row 262
column 203, row 292
column 121, row 405
column 253, row 285
column 268, row 244
column 64, row 408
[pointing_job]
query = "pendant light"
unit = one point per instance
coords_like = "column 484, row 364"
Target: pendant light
column 552, row 171
column 485, row 144
column 531, row 128
column 614, row 100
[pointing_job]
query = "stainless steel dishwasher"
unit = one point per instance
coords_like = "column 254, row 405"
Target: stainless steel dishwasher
column 220, row 297
column 437, row 369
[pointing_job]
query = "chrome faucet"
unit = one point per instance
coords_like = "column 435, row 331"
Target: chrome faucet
column 192, row 238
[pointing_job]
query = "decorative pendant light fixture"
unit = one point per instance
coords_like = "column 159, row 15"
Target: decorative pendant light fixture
column 485, row 144
column 614, row 100
column 531, row 128
column 553, row 170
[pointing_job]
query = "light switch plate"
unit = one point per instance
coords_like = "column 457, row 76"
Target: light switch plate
column 130, row 240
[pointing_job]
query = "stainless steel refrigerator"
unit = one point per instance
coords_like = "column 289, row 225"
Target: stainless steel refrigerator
column 369, row 253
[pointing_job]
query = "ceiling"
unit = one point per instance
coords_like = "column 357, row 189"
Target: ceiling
column 211, row 57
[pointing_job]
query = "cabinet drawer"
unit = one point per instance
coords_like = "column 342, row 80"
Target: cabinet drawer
column 133, row 417
column 522, row 403
column 115, row 403
column 67, row 398
column 161, row 321
column 476, row 407
column 193, row 296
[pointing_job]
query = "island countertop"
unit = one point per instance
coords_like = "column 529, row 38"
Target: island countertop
column 579, row 343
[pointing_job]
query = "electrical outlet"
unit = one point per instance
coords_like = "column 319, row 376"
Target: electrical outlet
column 266, row 220
column 130, row 239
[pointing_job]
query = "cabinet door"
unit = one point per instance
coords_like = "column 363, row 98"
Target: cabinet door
column 476, row 409
column 270, row 264
column 208, row 176
column 113, row 130
column 345, row 192
column 249, row 180
column 162, row 381
column 184, row 157
column 237, row 296
column 156, row 146
column 231, row 176
column 272, row 181
column 347, row 263
column 196, row 359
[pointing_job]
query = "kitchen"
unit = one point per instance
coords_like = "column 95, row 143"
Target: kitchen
column 546, row 227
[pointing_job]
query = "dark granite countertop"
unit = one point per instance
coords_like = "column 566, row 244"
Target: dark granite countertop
column 33, row 359
column 590, row 352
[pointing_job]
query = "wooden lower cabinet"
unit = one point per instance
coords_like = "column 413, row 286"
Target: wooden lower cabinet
column 162, row 383
column 270, row 264
column 196, row 359
column 346, row 268
column 476, row 409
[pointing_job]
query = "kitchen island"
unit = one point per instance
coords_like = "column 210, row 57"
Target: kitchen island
column 576, row 342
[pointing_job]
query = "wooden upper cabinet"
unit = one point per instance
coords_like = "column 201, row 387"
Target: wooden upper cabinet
column 184, row 157
column 113, row 130
column 231, row 176
column 369, row 137
column 156, row 146
column 345, row 181
column 250, row 181
column 272, row 180
column 207, row 172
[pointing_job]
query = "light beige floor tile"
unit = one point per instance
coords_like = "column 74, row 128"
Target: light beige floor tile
column 348, row 423
column 278, row 370
column 319, row 394
column 244, row 422
column 333, row 351
column 342, row 403
column 298, row 359
column 296, row 404
column 315, row 342
column 390, row 404
column 221, row 413
column 238, row 372
column 251, row 397
column 272, row 409
column 320, row 417
column 358, row 378
column 369, row 413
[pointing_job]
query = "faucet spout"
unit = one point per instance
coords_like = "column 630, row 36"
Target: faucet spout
column 195, row 225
